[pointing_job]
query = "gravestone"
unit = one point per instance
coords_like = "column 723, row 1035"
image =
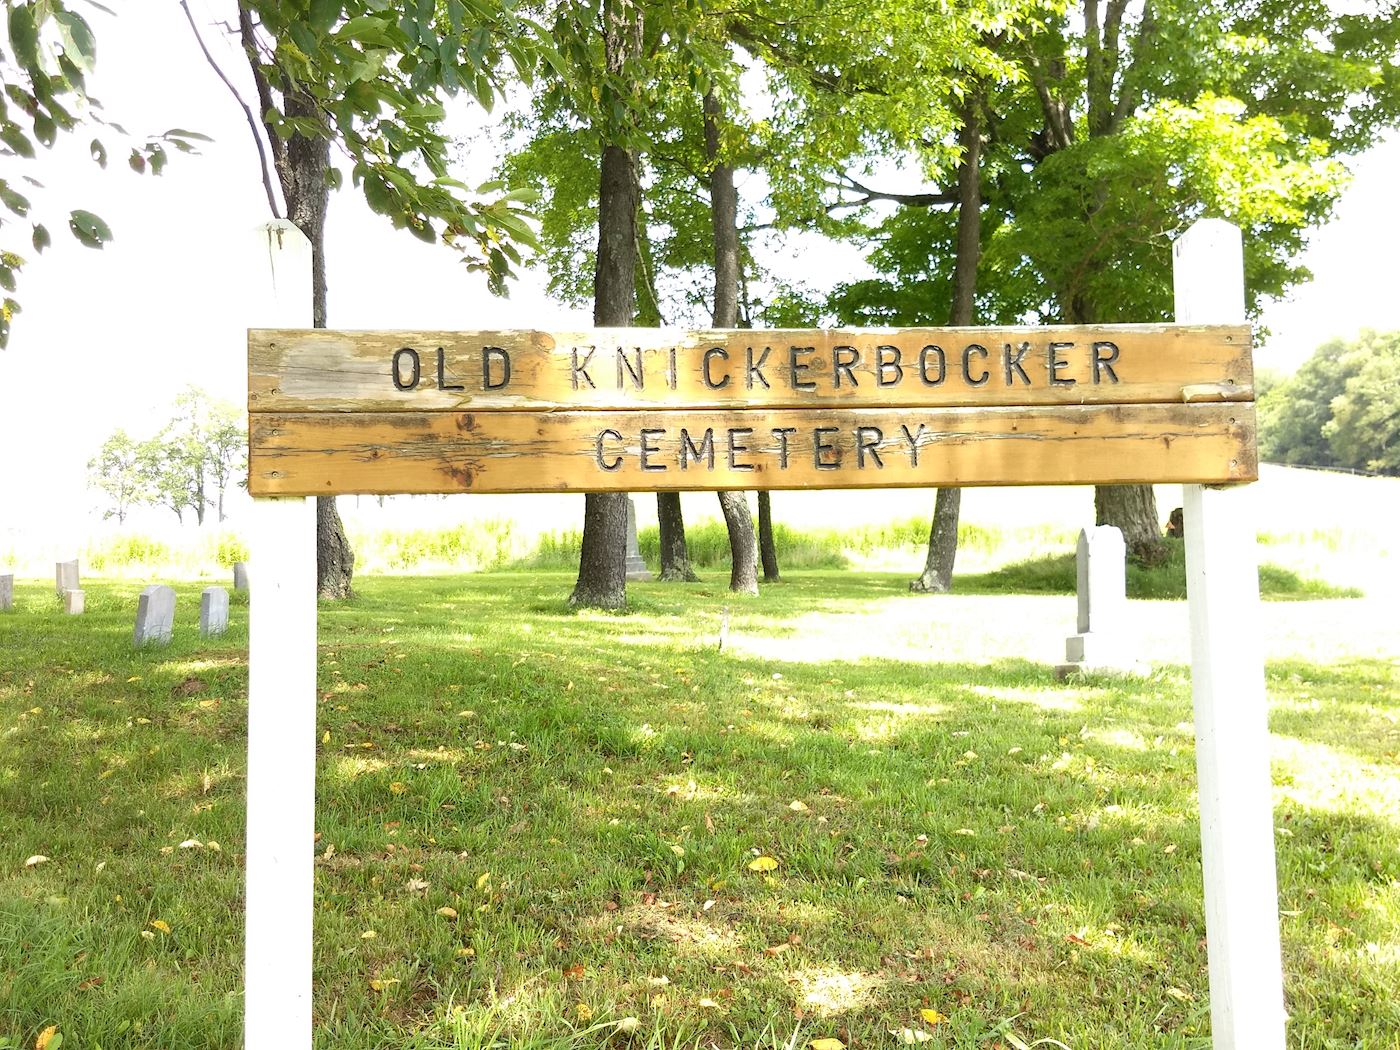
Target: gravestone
column 65, row 576
column 7, row 592
column 240, row 576
column 155, row 615
column 73, row 601
column 636, row 567
column 1102, row 589
column 213, row 612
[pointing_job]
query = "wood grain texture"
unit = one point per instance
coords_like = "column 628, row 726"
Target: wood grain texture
column 333, row 371
column 375, row 453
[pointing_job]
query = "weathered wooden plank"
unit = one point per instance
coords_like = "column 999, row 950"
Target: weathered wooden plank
column 327, row 453
column 406, row 371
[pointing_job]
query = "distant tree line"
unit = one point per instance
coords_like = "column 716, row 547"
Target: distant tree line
column 1341, row 409
column 187, row 467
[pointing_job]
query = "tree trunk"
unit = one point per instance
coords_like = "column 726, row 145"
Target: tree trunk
column 767, row 549
column 602, row 568
column 335, row 561
column 1133, row 508
column 937, row 577
column 724, row 217
column 675, row 556
column 302, row 165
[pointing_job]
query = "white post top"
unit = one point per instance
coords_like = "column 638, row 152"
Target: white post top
column 1208, row 274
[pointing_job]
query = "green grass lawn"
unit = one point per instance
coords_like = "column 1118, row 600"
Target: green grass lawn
column 537, row 828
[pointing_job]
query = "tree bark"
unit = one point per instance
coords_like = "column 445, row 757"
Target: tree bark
column 724, row 219
column 937, row 577
column 302, row 166
column 602, row 568
column 767, row 549
column 675, row 555
column 1133, row 508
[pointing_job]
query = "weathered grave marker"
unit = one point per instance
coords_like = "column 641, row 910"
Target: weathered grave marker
column 240, row 576
column 650, row 410
column 155, row 616
column 65, row 576
column 1101, row 588
column 213, row 612
column 636, row 567
column 74, row 601
column 7, row 592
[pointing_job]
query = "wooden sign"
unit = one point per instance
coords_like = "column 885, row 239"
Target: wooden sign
column 648, row 409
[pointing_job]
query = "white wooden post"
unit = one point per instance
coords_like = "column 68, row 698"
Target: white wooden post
column 281, row 712
column 1227, row 690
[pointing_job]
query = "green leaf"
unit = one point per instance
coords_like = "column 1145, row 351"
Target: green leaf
column 137, row 162
column 89, row 228
column 24, row 36
column 45, row 130
column 99, row 152
column 17, row 140
column 324, row 14
column 77, row 32
column 16, row 202
column 7, row 278
column 41, row 237
column 181, row 133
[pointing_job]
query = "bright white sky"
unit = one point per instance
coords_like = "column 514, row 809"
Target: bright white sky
column 108, row 338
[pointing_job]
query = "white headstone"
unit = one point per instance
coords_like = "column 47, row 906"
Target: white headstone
column 155, row 615
column 7, row 592
column 73, row 603
column 213, row 612
column 240, row 576
column 1101, row 586
column 65, row 576
column 636, row 567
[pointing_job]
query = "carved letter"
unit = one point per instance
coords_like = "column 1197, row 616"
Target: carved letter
column 1012, row 365
column 781, row 433
column 838, row 365
column 735, row 448
column 886, row 364
column 818, row 447
column 796, row 367
column 706, row 448
column 913, row 441
column 503, row 356
column 868, row 440
column 396, row 370
column 649, row 449
column 710, row 355
column 1105, row 363
column 441, row 366
column 755, row 368
column 598, row 451
column 942, row 365
column 968, row 351
column 1056, row 362
column 580, row 369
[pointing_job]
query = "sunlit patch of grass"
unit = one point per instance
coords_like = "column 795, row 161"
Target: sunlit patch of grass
column 586, row 793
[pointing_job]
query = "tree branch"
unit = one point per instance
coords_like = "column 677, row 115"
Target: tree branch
column 247, row 113
column 1129, row 91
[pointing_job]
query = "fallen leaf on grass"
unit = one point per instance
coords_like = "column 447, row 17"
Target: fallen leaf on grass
column 398, row 787
column 798, row 806
column 583, row 1012
column 627, row 1024
column 709, row 1004
column 48, row 1039
column 36, row 860
column 379, row 984
column 161, row 925
column 763, row 864
column 447, row 913
column 910, row 1036
column 483, row 880
column 574, row 972
column 191, row 844
column 828, row 1044
column 932, row 1017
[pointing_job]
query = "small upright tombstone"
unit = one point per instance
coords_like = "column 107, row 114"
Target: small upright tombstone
column 7, row 592
column 155, row 615
column 213, row 612
column 74, row 601
column 1102, row 590
column 636, row 567
column 65, row 576
column 240, row 576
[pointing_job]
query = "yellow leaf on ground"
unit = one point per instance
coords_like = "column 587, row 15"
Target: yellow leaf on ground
column 932, row 1017
column 828, row 1044
column 36, row 860
column 161, row 925
column 447, row 913
column 483, row 879
column 42, row 1042
column 910, row 1036
column 380, row 984
column 369, row 935
column 797, row 806
column 628, row 1024
column 398, row 787
column 710, row 1004
column 763, row 864
column 584, row 1012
